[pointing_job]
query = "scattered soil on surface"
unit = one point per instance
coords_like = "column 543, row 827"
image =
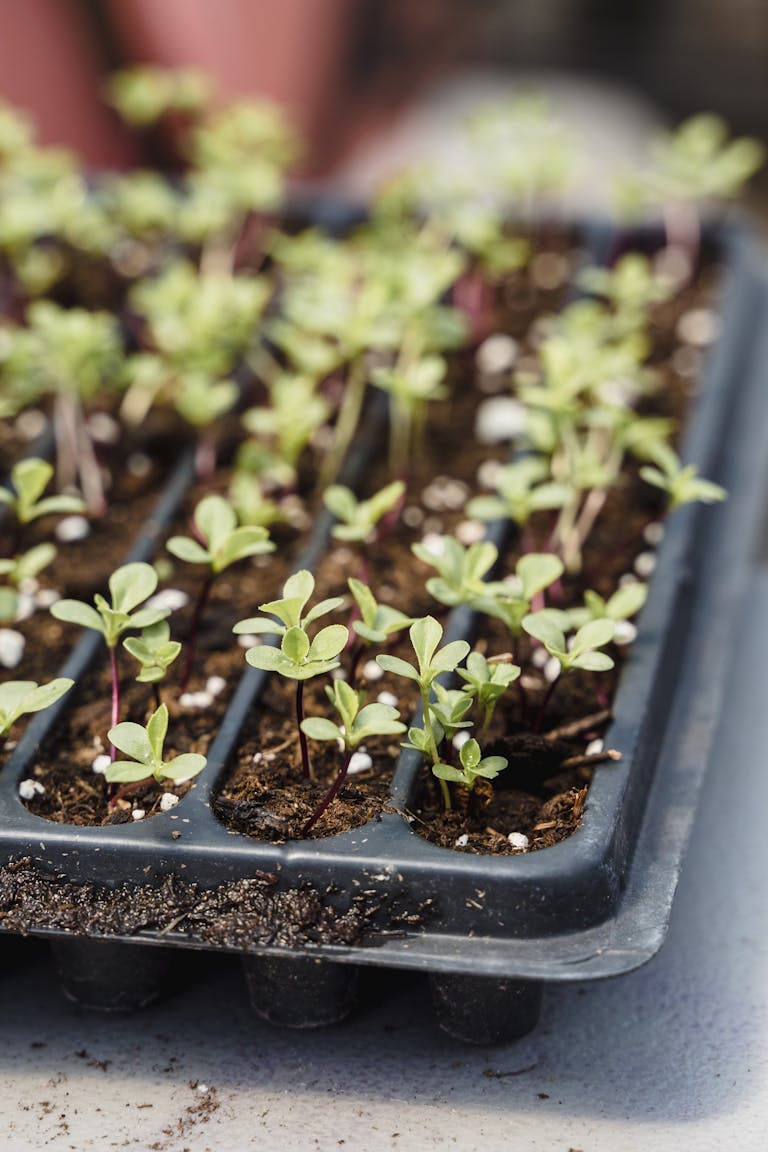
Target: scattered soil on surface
column 239, row 914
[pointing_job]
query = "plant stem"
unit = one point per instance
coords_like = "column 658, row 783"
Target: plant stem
column 544, row 703
column 427, row 716
column 115, row 697
column 156, row 696
column 346, row 422
column 194, row 629
column 306, row 765
column 330, row 795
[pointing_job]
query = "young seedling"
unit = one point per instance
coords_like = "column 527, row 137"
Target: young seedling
column 377, row 623
column 581, row 652
column 359, row 521
column 486, row 681
column 357, row 724
column 461, row 569
column 30, row 478
column 145, row 746
column 512, row 599
column 522, row 488
column 19, row 569
column 155, row 652
column 625, row 602
column 473, row 766
column 682, row 484
column 631, row 288
column 129, row 587
column 22, row 697
column 411, row 384
column 449, row 708
column 220, row 543
column 298, row 658
column 433, row 661
column 295, row 412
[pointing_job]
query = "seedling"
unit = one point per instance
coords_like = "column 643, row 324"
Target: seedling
column 298, row 658
column 512, row 599
column 359, row 520
column 630, row 287
column 22, row 697
column 17, row 570
column 473, row 766
column 377, row 623
column 486, row 681
column 145, row 746
column 425, row 635
column 129, row 587
column 30, row 478
column 143, row 95
column 449, row 708
column 220, row 544
column 461, row 569
column 295, row 412
column 155, row 652
column 622, row 605
column 581, row 652
column 522, row 488
column 357, row 724
column 411, row 385
column 682, row 484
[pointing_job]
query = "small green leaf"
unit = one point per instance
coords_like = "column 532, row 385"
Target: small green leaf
column 157, row 729
column 131, row 584
column 126, row 772
column 184, row 766
column 470, row 754
column 329, row 642
column 75, row 612
column 133, row 740
column 295, row 645
column 397, row 666
column 447, row 772
column 188, row 550
column 264, row 656
column 318, row 728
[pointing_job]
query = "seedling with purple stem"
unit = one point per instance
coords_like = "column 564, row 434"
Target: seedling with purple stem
column 298, row 658
column 155, row 652
column 357, row 724
column 129, row 587
column 221, row 543
column 145, row 746
column 486, row 681
column 580, row 652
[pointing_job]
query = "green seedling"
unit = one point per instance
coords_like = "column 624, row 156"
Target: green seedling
column 295, row 413
column 22, row 697
column 357, row 724
column 129, row 587
column 145, row 94
column 486, row 681
column 462, row 569
column 581, row 652
column 71, row 354
column 377, row 622
column 682, row 483
column 411, row 384
column 18, row 569
column 425, row 635
column 473, row 766
column 511, row 600
column 30, row 478
column 522, row 488
column 449, row 708
column 145, row 746
column 359, row 520
column 220, row 543
column 298, row 658
column 155, row 652
column 622, row 605
column 630, row 287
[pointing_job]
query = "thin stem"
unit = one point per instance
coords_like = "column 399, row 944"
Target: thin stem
column 346, row 422
column 306, row 765
column 544, row 703
column 156, row 696
column 331, row 795
column 205, row 457
column 194, row 631
column 115, row 697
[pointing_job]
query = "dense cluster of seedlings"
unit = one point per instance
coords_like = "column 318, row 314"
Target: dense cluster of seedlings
column 136, row 297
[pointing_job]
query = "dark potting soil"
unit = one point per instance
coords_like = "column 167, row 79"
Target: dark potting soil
column 239, row 914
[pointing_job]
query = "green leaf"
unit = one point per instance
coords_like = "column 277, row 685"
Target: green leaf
column 258, row 625
column 365, row 600
column 537, row 570
column 594, row 634
column 146, row 617
column 446, row 659
column 299, row 586
column 46, row 694
column 470, row 754
column 126, row 772
column 131, row 585
column 75, row 612
column 627, row 601
column 322, row 608
column 295, row 645
column 490, row 767
column 183, row 767
column 242, row 543
column 157, row 729
column 544, row 629
column 592, row 662
column 133, row 740
column 425, row 633
column 447, row 772
column 329, row 642
column 184, row 548
column 215, row 519
column 340, row 501
column 34, row 561
column 318, row 728
column 264, row 656
column 397, row 666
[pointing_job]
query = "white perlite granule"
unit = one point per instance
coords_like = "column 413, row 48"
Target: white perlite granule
column 30, row 788
column 167, row 801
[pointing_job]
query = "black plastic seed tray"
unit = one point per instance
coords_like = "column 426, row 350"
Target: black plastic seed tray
column 489, row 931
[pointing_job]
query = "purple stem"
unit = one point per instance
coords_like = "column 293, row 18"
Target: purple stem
column 115, row 698
column 194, row 629
column 544, row 703
column 306, row 766
column 330, row 796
